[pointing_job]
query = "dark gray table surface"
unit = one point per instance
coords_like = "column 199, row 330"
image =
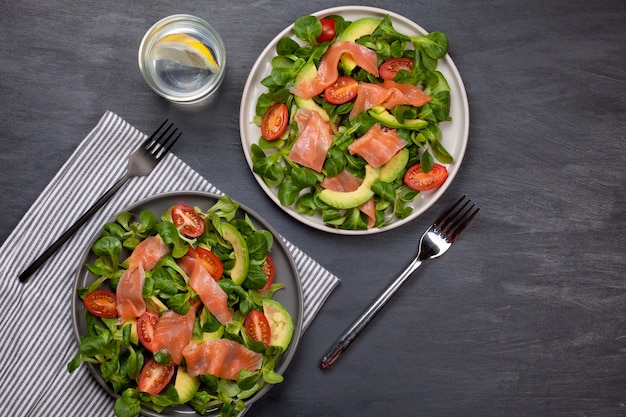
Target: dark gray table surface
column 526, row 315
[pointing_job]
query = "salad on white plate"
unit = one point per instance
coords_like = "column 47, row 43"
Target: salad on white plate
column 354, row 120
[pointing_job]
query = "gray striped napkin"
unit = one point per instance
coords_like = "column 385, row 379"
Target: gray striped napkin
column 35, row 318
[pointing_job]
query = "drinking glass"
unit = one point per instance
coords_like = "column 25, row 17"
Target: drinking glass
column 172, row 78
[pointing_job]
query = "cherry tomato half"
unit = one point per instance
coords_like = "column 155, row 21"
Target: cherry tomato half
column 328, row 30
column 419, row 180
column 341, row 91
column 146, row 324
column 187, row 220
column 210, row 261
column 390, row 68
column 101, row 303
column 275, row 121
column 154, row 377
column 257, row 327
column 270, row 272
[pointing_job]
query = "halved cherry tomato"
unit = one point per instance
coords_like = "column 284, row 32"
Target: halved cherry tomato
column 154, row 377
column 419, row 180
column 187, row 220
column 328, row 30
column 257, row 327
column 146, row 324
column 270, row 272
column 341, row 91
column 275, row 121
column 390, row 68
column 210, row 261
column 101, row 303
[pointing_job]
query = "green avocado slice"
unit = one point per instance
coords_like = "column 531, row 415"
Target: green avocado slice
column 351, row 199
column 395, row 166
column 281, row 323
column 384, row 117
column 186, row 385
column 239, row 271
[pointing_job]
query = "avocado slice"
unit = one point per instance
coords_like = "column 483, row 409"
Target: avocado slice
column 155, row 305
column 210, row 336
column 356, row 29
column 134, row 337
column 308, row 72
column 310, row 104
column 186, row 385
column 383, row 116
column 214, row 332
column 395, row 166
column 239, row 271
column 351, row 199
column 281, row 323
column 213, row 335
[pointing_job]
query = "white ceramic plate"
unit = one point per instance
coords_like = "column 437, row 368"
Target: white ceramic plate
column 455, row 133
column 290, row 296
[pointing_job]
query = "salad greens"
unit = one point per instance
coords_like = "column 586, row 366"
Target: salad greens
column 113, row 347
column 300, row 186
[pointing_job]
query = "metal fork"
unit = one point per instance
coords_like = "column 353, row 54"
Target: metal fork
column 140, row 163
column 433, row 243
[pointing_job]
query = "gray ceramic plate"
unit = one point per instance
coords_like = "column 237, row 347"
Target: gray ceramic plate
column 290, row 296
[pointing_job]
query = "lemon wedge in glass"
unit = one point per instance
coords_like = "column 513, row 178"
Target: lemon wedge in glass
column 185, row 50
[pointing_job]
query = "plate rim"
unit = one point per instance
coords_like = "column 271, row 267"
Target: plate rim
column 183, row 410
column 427, row 198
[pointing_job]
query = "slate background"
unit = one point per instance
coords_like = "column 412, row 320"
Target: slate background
column 524, row 316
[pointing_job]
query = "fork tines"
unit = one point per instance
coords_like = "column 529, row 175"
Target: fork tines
column 160, row 142
column 454, row 220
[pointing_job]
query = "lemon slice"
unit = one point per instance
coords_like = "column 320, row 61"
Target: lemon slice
column 185, row 50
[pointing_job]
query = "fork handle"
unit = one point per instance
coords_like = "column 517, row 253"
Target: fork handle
column 73, row 229
column 357, row 327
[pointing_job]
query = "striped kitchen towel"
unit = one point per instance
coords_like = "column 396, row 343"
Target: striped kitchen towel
column 35, row 318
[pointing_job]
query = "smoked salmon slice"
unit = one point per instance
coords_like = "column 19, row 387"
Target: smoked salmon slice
column 313, row 142
column 377, row 146
column 369, row 209
column 403, row 93
column 173, row 333
column 209, row 291
column 223, row 358
column 187, row 264
column 389, row 94
column 345, row 181
column 327, row 73
column 130, row 302
column 368, row 96
column 148, row 252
